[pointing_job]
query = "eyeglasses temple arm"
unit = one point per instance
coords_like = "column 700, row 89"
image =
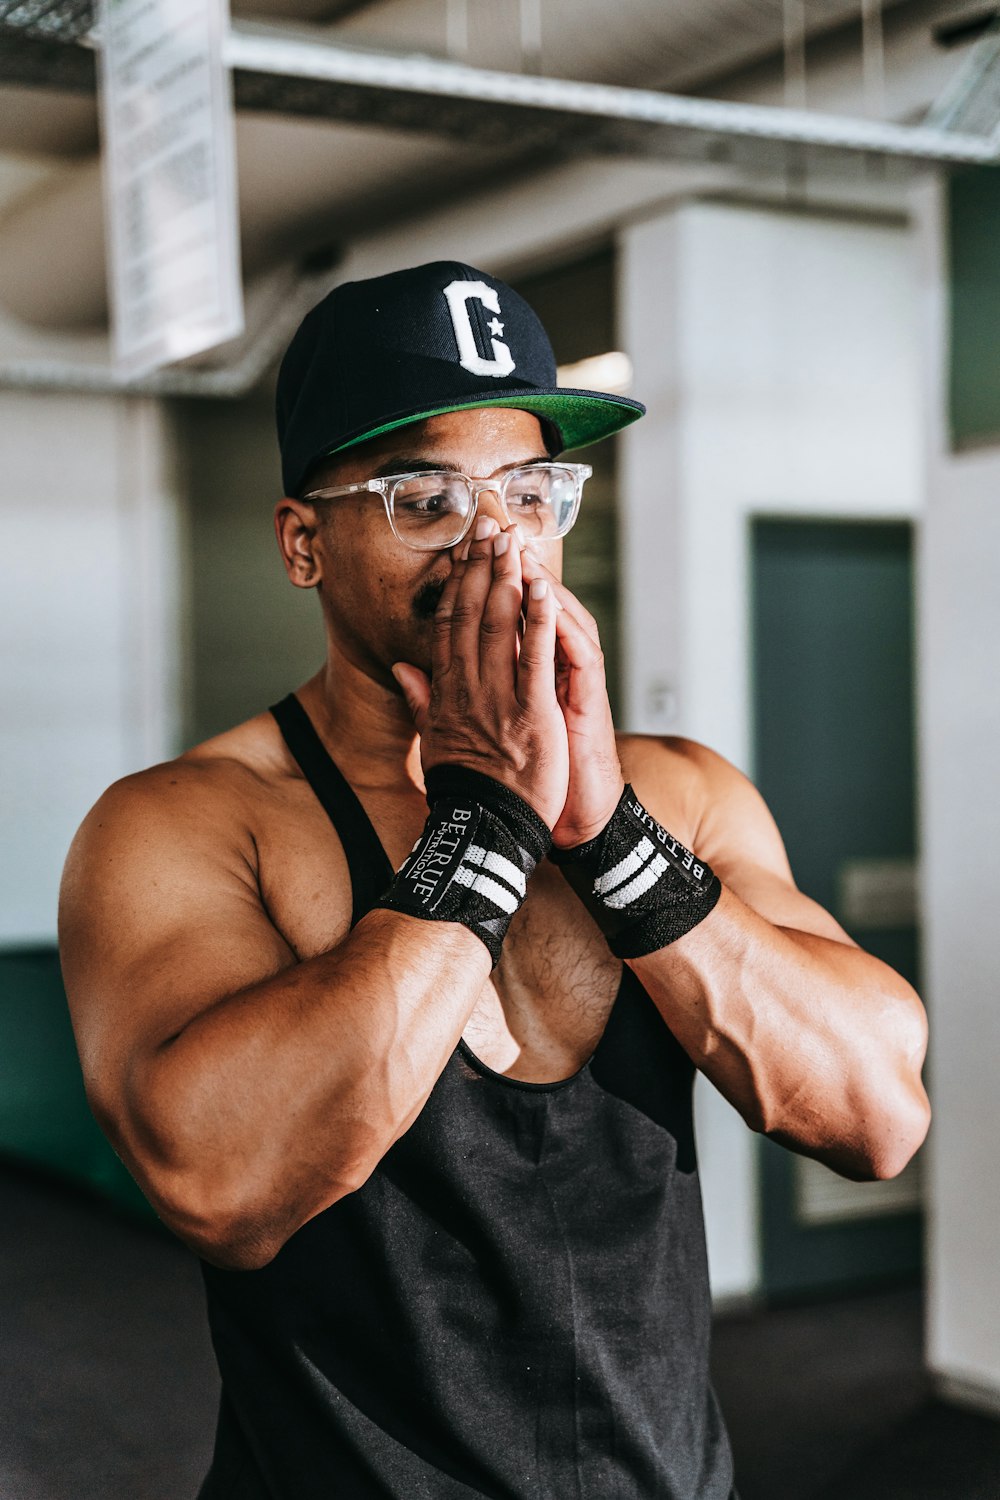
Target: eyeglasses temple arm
column 331, row 493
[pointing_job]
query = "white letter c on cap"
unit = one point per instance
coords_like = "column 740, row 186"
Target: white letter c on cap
column 459, row 294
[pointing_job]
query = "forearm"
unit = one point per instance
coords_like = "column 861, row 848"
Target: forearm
column 815, row 1042
column 276, row 1101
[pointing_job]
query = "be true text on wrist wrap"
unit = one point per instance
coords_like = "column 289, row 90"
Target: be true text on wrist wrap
column 643, row 888
column 472, row 861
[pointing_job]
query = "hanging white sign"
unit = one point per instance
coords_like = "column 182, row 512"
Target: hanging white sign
column 170, row 180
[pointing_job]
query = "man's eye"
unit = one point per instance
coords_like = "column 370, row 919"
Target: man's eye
column 440, row 502
column 529, row 500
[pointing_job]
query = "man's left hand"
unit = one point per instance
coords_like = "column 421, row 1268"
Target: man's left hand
column 595, row 773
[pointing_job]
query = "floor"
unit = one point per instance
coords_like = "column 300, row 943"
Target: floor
column 108, row 1386
column 829, row 1401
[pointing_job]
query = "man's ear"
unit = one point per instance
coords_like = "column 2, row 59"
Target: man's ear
column 296, row 527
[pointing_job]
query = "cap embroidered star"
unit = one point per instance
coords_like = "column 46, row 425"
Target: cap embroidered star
column 379, row 354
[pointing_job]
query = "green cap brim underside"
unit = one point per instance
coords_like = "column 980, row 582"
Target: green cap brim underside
column 581, row 417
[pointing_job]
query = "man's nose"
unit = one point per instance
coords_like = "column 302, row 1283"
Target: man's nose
column 491, row 505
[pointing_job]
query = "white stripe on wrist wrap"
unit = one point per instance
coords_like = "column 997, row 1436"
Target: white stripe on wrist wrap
column 472, row 861
column 643, row 888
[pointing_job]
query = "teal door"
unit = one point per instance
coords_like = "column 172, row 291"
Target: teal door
column 833, row 711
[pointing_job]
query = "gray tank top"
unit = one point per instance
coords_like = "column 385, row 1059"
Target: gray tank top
column 514, row 1305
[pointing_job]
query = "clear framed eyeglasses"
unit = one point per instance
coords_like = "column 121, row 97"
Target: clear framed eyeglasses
column 433, row 510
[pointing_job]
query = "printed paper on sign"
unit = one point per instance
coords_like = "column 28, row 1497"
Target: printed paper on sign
column 170, row 182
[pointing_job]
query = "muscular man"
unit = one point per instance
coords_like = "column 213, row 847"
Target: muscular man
column 430, row 1131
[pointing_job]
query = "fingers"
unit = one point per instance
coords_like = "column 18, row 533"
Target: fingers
column 576, row 644
column 536, row 661
column 532, row 567
column 580, row 679
column 498, row 642
column 441, row 635
column 475, row 580
column 416, row 689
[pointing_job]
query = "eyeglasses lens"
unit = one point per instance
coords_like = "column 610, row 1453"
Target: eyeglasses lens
column 431, row 510
column 540, row 501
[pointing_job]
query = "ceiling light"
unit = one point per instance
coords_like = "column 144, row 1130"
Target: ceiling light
column 611, row 372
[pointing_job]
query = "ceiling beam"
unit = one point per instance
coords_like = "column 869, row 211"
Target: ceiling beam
column 297, row 74
column 288, row 72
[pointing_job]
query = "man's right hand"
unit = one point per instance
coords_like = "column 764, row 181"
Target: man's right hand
column 491, row 702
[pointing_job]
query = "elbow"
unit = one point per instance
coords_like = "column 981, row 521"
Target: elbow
column 239, row 1217
column 894, row 1104
column 891, row 1132
column 238, row 1240
column 234, row 1198
column 230, row 1226
column 875, row 1151
column 873, row 1117
column 900, row 1137
column 909, row 1119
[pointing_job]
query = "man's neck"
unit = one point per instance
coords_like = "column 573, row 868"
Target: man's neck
column 365, row 725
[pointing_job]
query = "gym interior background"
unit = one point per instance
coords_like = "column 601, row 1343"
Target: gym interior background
column 794, row 558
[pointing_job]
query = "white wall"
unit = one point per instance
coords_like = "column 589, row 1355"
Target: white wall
column 779, row 355
column 959, row 626
column 960, row 746
column 89, row 636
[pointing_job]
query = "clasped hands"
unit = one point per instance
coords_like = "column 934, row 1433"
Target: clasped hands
column 524, row 703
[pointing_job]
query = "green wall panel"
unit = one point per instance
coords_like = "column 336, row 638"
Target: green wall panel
column 44, row 1116
column 834, row 760
column 974, row 255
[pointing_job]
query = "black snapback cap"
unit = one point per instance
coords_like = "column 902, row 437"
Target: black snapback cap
column 381, row 353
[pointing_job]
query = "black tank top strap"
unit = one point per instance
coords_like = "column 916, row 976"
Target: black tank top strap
column 367, row 860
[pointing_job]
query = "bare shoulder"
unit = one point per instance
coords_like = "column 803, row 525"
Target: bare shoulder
column 161, row 910
column 162, row 836
column 210, row 796
column 694, row 785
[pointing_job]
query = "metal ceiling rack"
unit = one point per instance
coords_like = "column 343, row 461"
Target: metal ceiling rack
column 289, row 71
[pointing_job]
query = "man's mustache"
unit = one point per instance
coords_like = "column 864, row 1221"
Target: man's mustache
column 427, row 598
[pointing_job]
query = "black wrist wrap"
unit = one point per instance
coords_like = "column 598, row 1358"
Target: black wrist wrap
column 473, row 859
column 642, row 887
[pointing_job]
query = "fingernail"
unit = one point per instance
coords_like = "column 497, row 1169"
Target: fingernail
column 538, row 588
column 483, row 528
column 501, row 544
